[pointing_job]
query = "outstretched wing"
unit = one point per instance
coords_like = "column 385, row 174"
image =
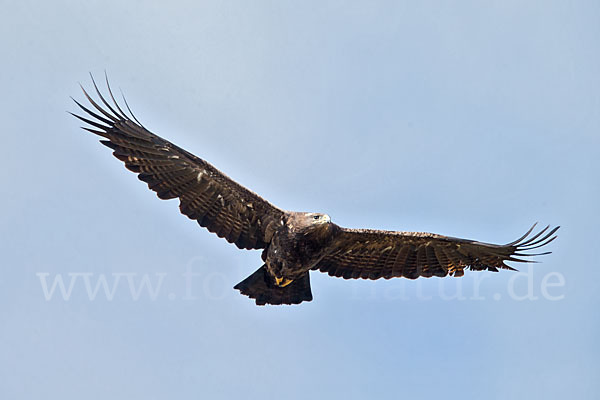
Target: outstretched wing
column 205, row 194
column 371, row 254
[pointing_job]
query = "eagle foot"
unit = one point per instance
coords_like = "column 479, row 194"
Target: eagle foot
column 282, row 282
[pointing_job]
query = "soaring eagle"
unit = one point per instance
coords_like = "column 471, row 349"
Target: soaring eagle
column 293, row 243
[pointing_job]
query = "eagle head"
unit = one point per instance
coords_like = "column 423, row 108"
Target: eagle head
column 309, row 224
column 317, row 219
column 316, row 225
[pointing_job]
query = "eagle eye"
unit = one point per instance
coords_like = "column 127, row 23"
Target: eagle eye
column 316, row 217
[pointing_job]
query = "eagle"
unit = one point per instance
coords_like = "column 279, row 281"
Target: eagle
column 292, row 243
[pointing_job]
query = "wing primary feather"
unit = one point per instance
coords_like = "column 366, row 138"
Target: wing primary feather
column 531, row 239
column 539, row 245
column 106, row 103
column 97, row 107
column 529, row 243
column 129, row 109
column 531, row 254
column 510, row 258
column 99, row 133
column 109, row 144
column 522, row 237
column 93, row 114
column 87, row 121
column 122, row 115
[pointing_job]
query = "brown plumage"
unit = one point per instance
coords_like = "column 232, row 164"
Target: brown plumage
column 293, row 243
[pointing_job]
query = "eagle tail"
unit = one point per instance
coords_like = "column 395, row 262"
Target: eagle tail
column 260, row 287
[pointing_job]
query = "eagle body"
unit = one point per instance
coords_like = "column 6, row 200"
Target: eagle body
column 300, row 243
column 292, row 243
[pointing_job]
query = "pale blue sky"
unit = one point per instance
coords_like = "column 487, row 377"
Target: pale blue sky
column 471, row 119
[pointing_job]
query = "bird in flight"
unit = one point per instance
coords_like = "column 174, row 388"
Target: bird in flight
column 292, row 243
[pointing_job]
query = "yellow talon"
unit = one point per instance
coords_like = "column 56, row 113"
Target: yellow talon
column 283, row 282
